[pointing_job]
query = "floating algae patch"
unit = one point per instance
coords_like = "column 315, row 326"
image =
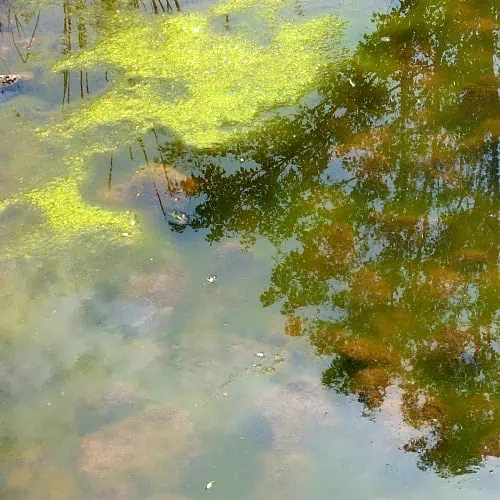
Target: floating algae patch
column 206, row 87
column 66, row 211
column 65, row 216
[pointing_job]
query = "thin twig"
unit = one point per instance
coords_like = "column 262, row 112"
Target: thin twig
column 141, row 144
column 34, row 31
column 110, row 175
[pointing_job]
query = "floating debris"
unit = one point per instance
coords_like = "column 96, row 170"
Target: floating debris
column 10, row 80
column 385, row 39
column 179, row 217
column 209, row 485
column 212, row 278
column 351, row 82
column 260, row 354
column 12, row 83
column 6, row 80
column 267, row 370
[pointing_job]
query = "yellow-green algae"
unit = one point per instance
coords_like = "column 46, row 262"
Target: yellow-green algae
column 67, row 216
column 66, row 212
column 206, row 85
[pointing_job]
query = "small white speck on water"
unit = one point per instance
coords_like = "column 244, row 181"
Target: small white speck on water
column 210, row 485
column 260, row 354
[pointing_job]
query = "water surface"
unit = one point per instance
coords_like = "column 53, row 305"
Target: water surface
column 349, row 345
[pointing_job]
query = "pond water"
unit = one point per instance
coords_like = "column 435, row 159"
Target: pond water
column 250, row 253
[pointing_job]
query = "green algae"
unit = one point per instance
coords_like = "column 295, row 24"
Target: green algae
column 208, row 88
column 66, row 216
column 66, row 212
column 233, row 6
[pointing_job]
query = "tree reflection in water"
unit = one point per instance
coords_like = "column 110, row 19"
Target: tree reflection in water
column 383, row 201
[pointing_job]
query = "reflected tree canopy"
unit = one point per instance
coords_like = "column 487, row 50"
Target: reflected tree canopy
column 383, row 201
